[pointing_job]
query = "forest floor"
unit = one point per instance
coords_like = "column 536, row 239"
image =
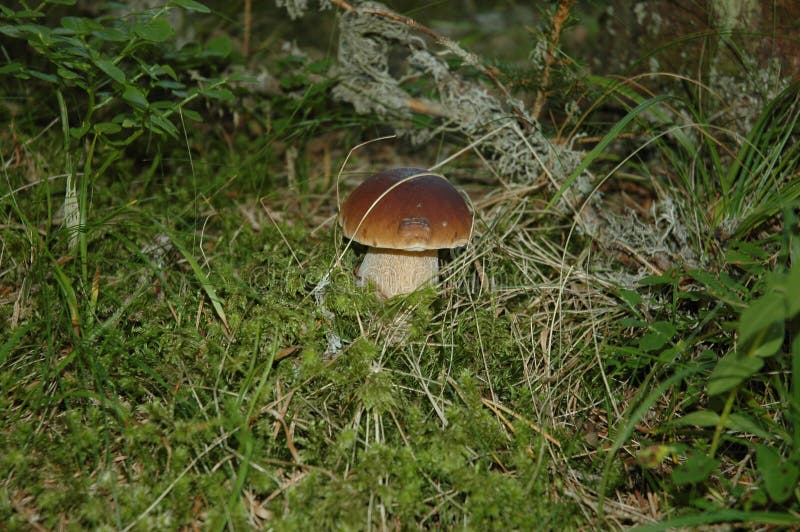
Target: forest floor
column 183, row 343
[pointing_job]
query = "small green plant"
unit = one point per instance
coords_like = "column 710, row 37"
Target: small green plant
column 713, row 349
column 114, row 84
column 113, row 79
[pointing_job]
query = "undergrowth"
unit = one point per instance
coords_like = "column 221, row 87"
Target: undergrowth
column 183, row 342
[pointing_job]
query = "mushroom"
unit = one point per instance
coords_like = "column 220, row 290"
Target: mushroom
column 404, row 215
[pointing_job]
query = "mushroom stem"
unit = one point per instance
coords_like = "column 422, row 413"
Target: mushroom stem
column 396, row 271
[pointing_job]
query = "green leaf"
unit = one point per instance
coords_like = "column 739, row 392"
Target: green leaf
column 169, row 71
column 205, row 283
column 155, row 30
column 218, row 94
column 134, row 96
column 194, row 116
column 716, row 285
column 652, row 341
column 107, row 128
column 66, row 74
column 61, row 2
column 708, row 418
column 26, row 30
column 794, row 401
column 321, row 66
column 664, row 328
column 632, row 322
column 700, row 418
column 742, row 423
column 80, row 25
column 161, row 125
column 219, row 46
column 761, row 326
column 79, row 132
column 11, row 68
column 631, row 297
column 10, row 31
column 693, row 521
column 169, row 84
column 661, row 332
column 743, row 253
column 111, row 35
column 791, row 289
column 42, row 76
column 732, row 370
column 696, row 469
column 779, row 476
column 669, row 355
column 190, row 5
column 111, row 70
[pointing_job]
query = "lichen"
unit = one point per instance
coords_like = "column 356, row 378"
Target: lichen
column 505, row 133
column 298, row 8
column 744, row 92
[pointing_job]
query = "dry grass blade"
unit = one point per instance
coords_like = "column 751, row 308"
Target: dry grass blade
column 280, row 232
column 495, row 406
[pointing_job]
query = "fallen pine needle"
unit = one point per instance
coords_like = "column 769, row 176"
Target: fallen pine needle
column 492, row 405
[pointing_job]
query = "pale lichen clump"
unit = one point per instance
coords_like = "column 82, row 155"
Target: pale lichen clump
column 374, row 82
column 298, row 8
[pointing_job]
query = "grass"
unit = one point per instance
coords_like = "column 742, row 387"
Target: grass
column 186, row 346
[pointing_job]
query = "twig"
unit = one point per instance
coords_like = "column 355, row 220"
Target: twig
column 342, row 4
column 248, row 22
column 561, row 16
column 425, row 107
column 510, row 426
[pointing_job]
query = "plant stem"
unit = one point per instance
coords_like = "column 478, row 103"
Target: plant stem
column 723, row 418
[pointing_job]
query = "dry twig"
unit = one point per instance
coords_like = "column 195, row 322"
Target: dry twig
column 560, row 18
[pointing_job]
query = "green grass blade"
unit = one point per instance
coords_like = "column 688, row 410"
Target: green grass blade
column 609, row 137
column 70, row 297
column 241, row 476
column 724, row 516
column 635, row 417
column 12, row 341
column 202, row 278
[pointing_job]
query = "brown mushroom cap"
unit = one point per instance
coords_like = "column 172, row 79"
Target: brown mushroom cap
column 422, row 212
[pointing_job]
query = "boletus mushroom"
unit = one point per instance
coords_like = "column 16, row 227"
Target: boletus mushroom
column 404, row 216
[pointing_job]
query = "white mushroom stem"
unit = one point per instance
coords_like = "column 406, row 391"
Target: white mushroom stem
column 396, row 271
